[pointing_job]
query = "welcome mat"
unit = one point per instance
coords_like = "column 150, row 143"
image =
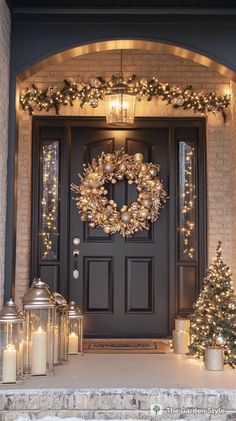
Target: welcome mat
column 126, row 346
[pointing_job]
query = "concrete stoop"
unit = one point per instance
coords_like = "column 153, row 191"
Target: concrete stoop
column 119, row 404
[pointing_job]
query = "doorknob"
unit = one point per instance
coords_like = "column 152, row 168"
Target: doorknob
column 75, row 264
column 76, row 241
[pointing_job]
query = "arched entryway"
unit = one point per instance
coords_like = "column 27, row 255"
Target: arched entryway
column 110, row 46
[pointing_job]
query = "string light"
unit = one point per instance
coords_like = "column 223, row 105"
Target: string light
column 49, row 199
column 187, row 205
column 33, row 99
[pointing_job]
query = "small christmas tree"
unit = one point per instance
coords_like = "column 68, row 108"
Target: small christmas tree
column 213, row 321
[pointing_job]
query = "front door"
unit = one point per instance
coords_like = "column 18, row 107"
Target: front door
column 123, row 282
column 126, row 286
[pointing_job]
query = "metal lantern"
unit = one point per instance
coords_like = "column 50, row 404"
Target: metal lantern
column 39, row 309
column 11, row 343
column 120, row 104
column 61, row 330
column 75, row 329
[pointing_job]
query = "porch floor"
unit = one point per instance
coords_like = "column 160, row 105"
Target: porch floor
column 132, row 371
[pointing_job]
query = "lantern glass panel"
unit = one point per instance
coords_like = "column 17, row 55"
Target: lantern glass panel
column 11, row 352
column 39, row 339
column 74, row 336
column 120, row 108
column 61, row 332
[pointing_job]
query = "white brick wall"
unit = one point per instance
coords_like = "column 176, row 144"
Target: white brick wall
column 170, row 69
column 5, row 28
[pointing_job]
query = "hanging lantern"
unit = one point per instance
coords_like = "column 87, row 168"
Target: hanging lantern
column 120, row 101
column 120, row 105
column 39, row 309
column 61, row 330
column 11, row 343
column 75, row 329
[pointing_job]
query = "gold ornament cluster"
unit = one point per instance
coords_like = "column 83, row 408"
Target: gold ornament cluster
column 95, row 207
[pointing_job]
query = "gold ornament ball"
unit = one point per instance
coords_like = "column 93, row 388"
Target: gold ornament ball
column 122, row 167
column 138, row 157
column 108, row 167
column 129, row 175
column 92, row 224
column 153, row 171
column 107, row 230
column 85, row 182
column 144, row 167
column 143, row 213
column 125, row 217
column 113, row 181
column 120, row 177
column 146, row 203
column 220, row 340
column 104, row 201
column 135, row 205
column 89, row 217
column 108, row 156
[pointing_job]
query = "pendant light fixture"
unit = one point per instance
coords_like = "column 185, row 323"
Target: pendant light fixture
column 120, row 101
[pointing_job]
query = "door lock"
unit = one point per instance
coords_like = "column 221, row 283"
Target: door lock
column 75, row 264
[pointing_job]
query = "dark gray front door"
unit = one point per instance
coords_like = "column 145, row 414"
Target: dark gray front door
column 123, row 283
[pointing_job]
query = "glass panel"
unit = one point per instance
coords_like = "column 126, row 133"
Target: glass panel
column 49, row 197
column 187, row 201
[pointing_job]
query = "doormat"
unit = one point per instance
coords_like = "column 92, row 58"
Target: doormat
column 126, row 346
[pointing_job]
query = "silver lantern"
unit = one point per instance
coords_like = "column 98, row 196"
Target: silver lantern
column 39, row 310
column 11, row 343
column 76, row 319
column 61, row 330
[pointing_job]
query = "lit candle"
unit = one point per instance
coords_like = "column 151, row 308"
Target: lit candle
column 181, row 341
column 39, row 353
column 182, row 324
column 9, row 365
column 55, row 345
column 73, row 343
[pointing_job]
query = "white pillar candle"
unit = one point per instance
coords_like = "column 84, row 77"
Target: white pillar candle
column 39, row 353
column 9, row 365
column 182, row 324
column 55, row 348
column 181, row 341
column 73, row 343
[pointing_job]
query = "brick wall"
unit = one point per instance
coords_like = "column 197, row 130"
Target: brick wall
column 170, row 69
column 233, row 179
column 5, row 28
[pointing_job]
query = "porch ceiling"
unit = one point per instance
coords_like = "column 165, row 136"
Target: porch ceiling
column 125, row 4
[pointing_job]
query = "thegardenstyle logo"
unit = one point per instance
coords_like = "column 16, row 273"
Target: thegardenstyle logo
column 157, row 410
column 212, row 411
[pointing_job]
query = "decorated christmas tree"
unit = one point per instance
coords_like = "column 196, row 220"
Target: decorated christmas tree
column 213, row 321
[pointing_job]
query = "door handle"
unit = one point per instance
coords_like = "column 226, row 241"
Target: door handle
column 75, row 264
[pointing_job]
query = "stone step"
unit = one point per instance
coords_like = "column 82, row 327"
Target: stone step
column 119, row 404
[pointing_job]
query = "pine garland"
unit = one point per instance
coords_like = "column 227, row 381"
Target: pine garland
column 33, row 99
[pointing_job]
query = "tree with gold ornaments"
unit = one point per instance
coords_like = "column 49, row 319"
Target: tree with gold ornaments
column 213, row 321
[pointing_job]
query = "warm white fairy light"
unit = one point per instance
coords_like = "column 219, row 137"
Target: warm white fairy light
column 92, row 92
column 188, row 204
column 49, row 208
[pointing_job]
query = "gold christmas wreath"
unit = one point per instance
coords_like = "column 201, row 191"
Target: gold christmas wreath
column 96, row 209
